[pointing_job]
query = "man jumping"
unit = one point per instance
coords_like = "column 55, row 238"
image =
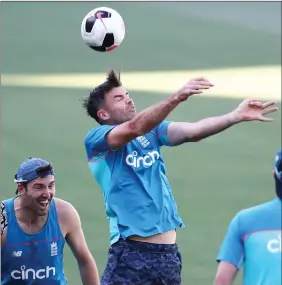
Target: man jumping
column 125, row 159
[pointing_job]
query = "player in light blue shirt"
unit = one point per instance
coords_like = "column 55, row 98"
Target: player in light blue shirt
column 124, row 156
column 253, row 240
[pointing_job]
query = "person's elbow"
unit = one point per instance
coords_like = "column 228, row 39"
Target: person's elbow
column 85, row 259
column 226, row 273
column 122, row 134
column 193, row 136
column 222, row 279
column 88, row 269
column 194, row 139
column 195, row 133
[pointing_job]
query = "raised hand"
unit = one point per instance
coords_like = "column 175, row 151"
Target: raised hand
column 192, row 87
column 254, row 110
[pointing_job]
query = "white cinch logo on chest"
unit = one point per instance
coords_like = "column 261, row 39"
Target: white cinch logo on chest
column 274, row 245
column 146, row 161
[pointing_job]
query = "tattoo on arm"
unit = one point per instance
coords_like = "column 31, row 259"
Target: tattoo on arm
column 4, row 220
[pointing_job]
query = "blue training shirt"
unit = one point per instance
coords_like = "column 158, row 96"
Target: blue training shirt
column 253, row 239
column 32, row 258
column 137, row 195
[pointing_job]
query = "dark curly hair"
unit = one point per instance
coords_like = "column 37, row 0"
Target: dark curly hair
column 93, row 102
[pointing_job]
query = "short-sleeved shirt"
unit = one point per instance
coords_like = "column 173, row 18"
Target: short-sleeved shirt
column 137, row 195
column 253, row 239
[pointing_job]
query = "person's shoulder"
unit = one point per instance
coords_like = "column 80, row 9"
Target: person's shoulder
column 255, row 218
column 65, row 210
column 4, row 204
column 67, row 214
column 255, row 210
column 96, row 130
column 63, row 207
column 90, row 133
column 3, row 207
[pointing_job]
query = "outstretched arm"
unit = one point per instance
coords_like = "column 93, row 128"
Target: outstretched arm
column 146, row 120
column 76, row 240
column 248, row 110
column 181, row 132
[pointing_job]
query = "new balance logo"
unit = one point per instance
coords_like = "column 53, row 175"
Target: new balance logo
column 17, row 254
column 54, row 249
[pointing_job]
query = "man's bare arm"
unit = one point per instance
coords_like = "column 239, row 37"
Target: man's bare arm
column 181, row 132
column 75, row 238
column 248, row 110
column 226, row 274
column 149, row 118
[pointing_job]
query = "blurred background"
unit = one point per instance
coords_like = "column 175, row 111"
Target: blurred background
column 46, row 69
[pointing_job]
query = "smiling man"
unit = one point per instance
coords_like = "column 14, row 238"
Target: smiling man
column 34, row 228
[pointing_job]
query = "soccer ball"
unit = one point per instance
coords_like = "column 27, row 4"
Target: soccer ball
column 102, row 29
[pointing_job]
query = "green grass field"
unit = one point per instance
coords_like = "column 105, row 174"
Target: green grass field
column 212, row 179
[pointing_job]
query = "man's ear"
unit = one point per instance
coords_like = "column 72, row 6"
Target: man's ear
column 103, row 115
column 21, row 189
